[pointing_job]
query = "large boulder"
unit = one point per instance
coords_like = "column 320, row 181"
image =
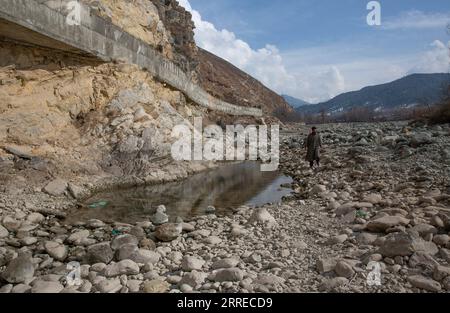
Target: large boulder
column 19, row 270
column 386, row 222
column 99, row 253
column 406, row 244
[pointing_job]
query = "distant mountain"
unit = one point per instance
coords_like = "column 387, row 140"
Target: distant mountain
column 412, row 90
column 294, row 102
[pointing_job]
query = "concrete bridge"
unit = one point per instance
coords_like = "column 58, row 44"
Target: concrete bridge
column 44, row 23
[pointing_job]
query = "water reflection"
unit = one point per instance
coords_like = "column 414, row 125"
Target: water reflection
column 229, row 186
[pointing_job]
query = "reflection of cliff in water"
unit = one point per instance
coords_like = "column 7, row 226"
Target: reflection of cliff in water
column 227, row 187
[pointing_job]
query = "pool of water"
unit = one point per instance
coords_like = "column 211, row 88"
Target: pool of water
column 227, row 187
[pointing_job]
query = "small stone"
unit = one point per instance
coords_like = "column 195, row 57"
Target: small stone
column 225, row 263
column 41, row 286
column 35, row 218
column 56, row 250
column 100, row 253
column 337, row 240
column 230, row 274
column 121, row 240
column 185, row 288
column 75, row 191
column 125, row 267
column 425, row 283
column 109, row 285
column 147, row 244
column 144, row 256
column 27, row 241
column 441, row 240
column 326, row 265
column 262, row 216
column 366, row 238
column 193, row 279
column 384, row 223
column 212, row 240
column 168, row 232
column 78, row 237
column 343, row 269
column 56, row 187
column 404, row 244
column 190, row 263
column 441, row 272
column 156, row 286
column 160, row 217
column 333, row 284
column 3, row 232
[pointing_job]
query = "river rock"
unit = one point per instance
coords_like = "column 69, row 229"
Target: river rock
column 3, row 232
column 337, row 239
column 109, row 285
column 78, row 237
column 262, row 216
column 366, row 238
column 56, row 250
column 225, row 263
column 156, row 286
column 168, row 232
column 144, row 256
column 425, row 283
column 326, row 265
column 56, row 187
column 121, row 240
column 75, row 191
column 384, row 223
column 441, row 272
column 332, row 284
column 193, row 279
column 100, row 253
column 35, row 218
column 190, row 263
column 343, row 269
column 160, row 217
column 42, row 286
column 19, row 270
column 404, row 244
column 230, row 274
column 125, row 267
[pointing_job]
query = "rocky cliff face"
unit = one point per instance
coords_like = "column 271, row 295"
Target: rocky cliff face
column 179, row 23
column 66, row 116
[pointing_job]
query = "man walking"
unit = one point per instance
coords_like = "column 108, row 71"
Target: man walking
column 313, row 144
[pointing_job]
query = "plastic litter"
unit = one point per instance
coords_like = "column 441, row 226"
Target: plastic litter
column 98, row 204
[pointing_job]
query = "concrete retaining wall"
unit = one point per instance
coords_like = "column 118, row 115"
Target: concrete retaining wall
column 44, row 22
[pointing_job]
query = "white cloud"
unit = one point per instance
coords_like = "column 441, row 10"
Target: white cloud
column 417, row 20
column 436, row 60
column 266, row 64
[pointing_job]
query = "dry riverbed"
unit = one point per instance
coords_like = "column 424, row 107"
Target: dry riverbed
column 381, row 195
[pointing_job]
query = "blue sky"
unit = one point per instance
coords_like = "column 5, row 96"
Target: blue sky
column 317, row 49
